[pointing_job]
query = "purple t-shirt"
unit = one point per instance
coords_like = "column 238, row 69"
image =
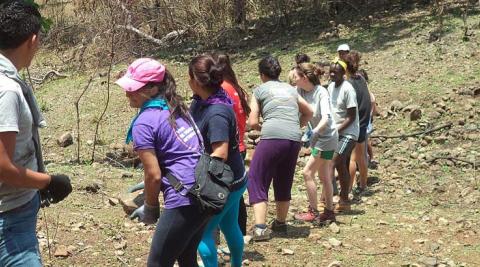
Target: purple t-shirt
column 176, row 150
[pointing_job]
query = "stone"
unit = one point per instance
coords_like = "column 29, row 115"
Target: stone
column 127, row 175
column 92, row 188
column 119, row 252
column 335, row 264
column 420, row 241
column 415, row 114
column 429, row 261
column 334, row 242
column 65, row 140
column 61, row 251
column 131, row 201
column 443, row 221
column 334, row 228
column 326, row 245
column 440, row 139
column 286, row 251
column 89, row 142
column 113, row 201
column 396, row 105
column 121, row 245
column 245, row 262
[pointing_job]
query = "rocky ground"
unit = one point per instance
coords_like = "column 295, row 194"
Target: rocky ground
column 422, row 207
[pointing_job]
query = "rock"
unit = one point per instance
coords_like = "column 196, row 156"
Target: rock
column 61, row 251
column 121, row 245
column 286, row 251
column 414, row 155
column 443, row 221
column 89, row 142
column 440, row 139
column 335, row 264
column 245, row 262
column 71, row 249
column 334, row 242
column 131, row 201
column 119, row 252
column 113, row 201
column 127, row 175
column 92, row 188
column 326, row 245
column 415, row 114
column 65, row 140
column 429, row 261
column 420, row 241
column 314, row 236
column 334, row 228
column 78, row 226
column 396, row 105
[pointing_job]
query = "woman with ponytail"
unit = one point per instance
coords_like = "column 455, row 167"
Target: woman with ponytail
column 163, row 136
column 212, row 111
column 240, row 107
column 323, row 142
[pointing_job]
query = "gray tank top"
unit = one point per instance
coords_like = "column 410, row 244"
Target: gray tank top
column 279, row 108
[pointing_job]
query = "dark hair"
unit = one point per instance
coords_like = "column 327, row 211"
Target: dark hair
column 18, row 21
column 229, row 75
column 301, row 58
column 205, row 70
column 337, row 65
column 270, row 67
column 363, row 72
column 353, row 61
column 168, row 90
column 310, row 71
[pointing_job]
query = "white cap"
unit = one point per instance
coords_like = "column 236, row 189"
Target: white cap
column 343, row 47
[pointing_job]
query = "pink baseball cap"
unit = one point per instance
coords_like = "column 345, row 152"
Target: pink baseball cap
column 141, row 72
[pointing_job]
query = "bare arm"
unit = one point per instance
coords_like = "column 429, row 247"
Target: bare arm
column 254, row 117
column 220, row 150
column 321, row 125
column 153, row 176
column 14, row 175
column 305, row 110
column 351, row 113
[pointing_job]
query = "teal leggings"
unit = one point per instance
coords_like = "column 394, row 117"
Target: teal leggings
column 228, row 222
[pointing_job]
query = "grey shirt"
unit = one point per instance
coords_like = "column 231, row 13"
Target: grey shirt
column 15, row 116
column 279, row 108
column 342, row 98
column 319, row 100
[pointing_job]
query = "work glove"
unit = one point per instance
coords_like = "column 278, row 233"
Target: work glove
column 146, row 214
column 58, row 189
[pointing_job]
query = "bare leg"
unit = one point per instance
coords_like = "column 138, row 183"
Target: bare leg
column 309, row 175
column 325, row 172
column 260, row 212
column 282, row 210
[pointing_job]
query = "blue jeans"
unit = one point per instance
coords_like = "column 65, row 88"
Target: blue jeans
column 176, row 237
column 18, row 239
column 228, row 222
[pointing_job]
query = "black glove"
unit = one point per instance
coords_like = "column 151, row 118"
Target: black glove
column 58, row 188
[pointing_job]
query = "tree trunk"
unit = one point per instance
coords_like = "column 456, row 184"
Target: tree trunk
column 239, row 12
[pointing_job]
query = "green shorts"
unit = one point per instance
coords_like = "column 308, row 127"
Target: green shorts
column 328, row 155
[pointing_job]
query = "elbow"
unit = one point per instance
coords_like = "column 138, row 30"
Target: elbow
column 153, row 178
column 253, row 123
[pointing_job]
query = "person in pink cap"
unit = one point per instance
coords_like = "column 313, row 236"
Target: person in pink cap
column 163, row 136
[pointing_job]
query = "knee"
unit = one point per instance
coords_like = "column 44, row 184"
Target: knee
column 207, row 250
column 308, row 174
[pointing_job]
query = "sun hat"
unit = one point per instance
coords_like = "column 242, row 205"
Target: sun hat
column 141, row 72
column 343, row 47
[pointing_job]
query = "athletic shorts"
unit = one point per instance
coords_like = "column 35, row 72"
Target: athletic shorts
column 345, row 145
column 328, row 155
column 362, row 135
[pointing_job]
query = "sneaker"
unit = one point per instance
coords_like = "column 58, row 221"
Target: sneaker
column 259, row 234
column 279, row 227
column 325, row 218
column 308, row 216
column 343, row 206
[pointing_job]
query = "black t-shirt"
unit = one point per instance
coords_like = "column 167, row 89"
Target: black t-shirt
column 363, row 99
column 217, row 124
